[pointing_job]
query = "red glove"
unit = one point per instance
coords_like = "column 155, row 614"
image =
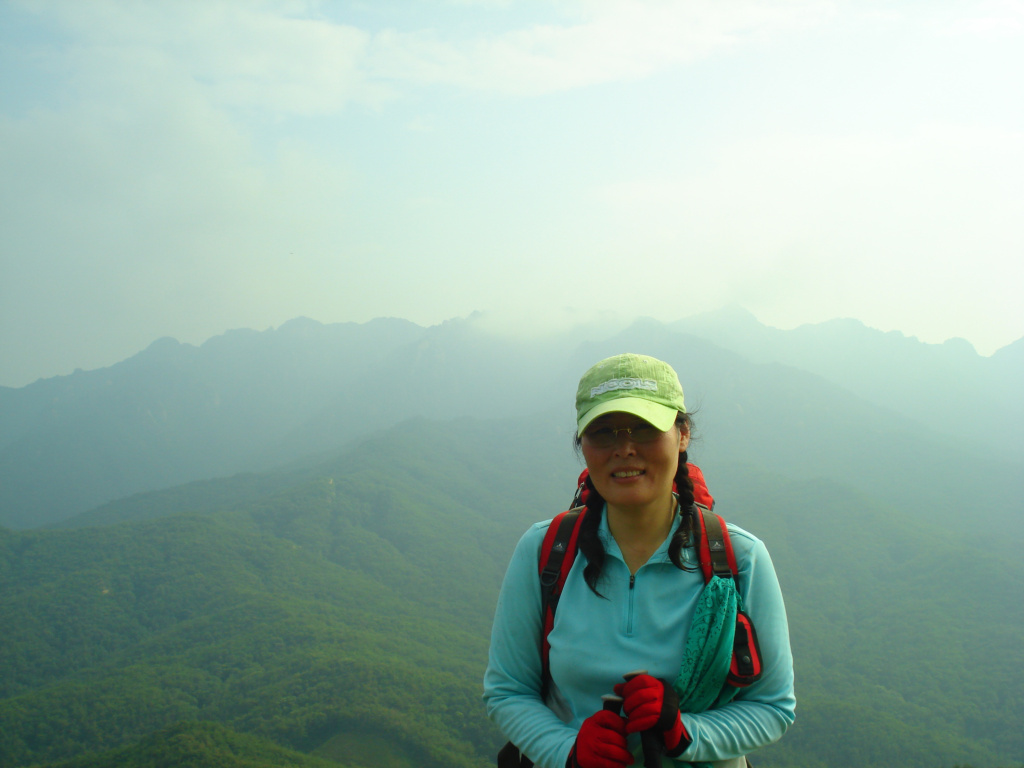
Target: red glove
column 601, row 743
column 651, row 704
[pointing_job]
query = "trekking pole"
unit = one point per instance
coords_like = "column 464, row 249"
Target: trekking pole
column 612, row 703
column 650, row 740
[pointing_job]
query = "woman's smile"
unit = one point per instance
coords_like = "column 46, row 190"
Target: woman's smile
column 627, row 473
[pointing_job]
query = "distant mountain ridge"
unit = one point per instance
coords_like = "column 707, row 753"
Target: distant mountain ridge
column 947, row 387
column 248, row 400
column 173, row 413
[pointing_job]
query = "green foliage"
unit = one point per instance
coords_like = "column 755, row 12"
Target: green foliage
column 362, row 749
column 903, row 634
column 199, row 745
column 343, row 612
column 299, row 618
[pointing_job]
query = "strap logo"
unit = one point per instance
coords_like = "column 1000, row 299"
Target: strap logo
column 627, row 383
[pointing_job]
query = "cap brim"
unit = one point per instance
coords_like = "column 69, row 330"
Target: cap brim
column 661, row 416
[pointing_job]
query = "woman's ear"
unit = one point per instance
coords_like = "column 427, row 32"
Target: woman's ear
column 684, row 437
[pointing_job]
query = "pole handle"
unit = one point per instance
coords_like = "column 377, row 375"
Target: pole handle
column 612, row 703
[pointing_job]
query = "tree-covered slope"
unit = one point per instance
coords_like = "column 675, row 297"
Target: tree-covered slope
column 199, row 745
column 121, row 631
column 356, row 602
column 905, row 635
column 348, row 612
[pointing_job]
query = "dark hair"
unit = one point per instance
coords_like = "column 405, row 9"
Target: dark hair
column 590, row 542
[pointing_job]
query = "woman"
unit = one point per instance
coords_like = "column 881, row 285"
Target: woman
column 630, row 599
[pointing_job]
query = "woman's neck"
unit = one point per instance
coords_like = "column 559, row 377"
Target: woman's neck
column 639, row 532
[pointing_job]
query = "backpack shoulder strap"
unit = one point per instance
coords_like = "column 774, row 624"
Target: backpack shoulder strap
column 557, row 554
column 714, row 547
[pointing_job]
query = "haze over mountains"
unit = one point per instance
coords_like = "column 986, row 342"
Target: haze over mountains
column 288, row 543
column 251, row 400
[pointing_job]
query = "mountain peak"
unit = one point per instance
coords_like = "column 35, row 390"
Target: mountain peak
column 960, row 346
column 301, row 324
column 163, row 344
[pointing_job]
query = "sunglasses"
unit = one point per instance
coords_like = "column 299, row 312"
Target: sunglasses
column 606, row 437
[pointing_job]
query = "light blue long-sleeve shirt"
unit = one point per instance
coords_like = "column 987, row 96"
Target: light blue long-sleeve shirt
column 642, row 624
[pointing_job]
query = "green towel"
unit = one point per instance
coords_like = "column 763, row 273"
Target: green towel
column 708, row 654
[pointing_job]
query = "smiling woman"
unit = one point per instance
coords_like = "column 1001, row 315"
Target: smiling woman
column 636, row 599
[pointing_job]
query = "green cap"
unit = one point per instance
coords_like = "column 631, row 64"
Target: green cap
column 636, row 384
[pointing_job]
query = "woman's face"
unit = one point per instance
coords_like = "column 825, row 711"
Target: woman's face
column 632, row 476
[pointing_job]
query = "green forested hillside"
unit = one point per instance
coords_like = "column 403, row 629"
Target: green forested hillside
column 346, row 614
column 199, row 745
column 906, row 636
column 352, row 606
column 192, row 618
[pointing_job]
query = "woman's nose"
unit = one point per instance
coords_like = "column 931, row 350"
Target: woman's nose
column 624, row 442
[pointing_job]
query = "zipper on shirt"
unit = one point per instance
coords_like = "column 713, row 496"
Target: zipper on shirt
column 629, row 611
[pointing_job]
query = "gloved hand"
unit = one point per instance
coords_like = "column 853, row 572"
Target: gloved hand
column 649, row 704
column 601, row 743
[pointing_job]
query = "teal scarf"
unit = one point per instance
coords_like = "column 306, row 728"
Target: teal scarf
column 708, row 653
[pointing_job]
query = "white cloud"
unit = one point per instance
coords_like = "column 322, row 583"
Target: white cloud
column 910, row 231
column 164, row 162
column 144, row 199
column 612, row 41
column 263, row 56
column 245, row 55
column 993, row 18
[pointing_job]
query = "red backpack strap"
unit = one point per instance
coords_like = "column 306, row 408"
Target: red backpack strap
column 557, row 553
column 714, row 547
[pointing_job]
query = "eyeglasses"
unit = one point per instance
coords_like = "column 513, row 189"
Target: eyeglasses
column 606, row 437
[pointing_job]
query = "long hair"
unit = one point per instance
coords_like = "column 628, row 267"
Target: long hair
column 590, row 543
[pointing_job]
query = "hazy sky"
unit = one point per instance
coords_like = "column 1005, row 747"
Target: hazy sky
column 182, row 168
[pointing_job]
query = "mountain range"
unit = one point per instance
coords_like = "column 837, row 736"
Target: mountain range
column 286, row 546
column 249, row 400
